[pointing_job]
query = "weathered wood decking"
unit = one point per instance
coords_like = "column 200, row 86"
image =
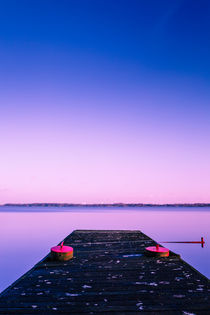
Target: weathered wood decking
column 109, row 274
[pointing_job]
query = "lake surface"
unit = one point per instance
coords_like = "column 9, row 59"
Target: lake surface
column 27, row 234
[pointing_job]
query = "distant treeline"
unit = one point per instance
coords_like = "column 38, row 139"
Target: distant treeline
column 106, row 205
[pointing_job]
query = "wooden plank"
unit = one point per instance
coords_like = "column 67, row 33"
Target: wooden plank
column 109, row 274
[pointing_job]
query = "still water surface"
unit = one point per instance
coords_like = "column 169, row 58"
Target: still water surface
column 27, row 234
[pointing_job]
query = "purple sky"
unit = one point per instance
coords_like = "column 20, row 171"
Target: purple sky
column 98, row 105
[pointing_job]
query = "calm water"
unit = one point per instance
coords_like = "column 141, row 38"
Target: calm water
column 27, row 234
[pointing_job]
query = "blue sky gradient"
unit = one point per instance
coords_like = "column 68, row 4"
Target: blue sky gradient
column 105, row 101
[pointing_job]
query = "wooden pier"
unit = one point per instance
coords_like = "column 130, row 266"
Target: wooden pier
column 109, row 274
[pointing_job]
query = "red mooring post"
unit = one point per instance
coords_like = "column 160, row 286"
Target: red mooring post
column 157, row 251
column 61, row 252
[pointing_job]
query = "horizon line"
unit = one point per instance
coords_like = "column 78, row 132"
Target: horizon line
column 105, row 204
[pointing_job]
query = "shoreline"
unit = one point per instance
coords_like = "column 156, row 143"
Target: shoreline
column 121, row 205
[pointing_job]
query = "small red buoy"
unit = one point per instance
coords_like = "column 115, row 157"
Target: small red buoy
column 61, row 252
column 157, row 251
